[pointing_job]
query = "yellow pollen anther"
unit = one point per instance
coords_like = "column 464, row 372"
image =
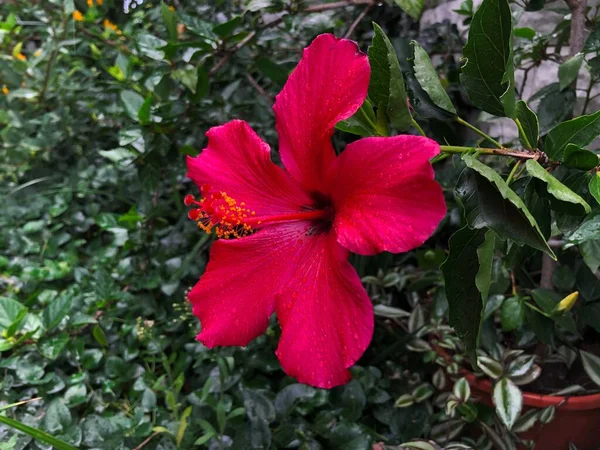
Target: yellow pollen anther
column 219, row 212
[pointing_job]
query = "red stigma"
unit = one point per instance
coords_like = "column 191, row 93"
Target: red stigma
column 188, row 200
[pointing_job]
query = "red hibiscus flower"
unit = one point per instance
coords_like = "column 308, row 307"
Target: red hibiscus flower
column 296, row 226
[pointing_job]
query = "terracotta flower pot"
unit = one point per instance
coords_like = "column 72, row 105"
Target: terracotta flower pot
column 577, row 418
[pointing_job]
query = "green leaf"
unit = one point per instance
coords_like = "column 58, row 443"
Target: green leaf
column 512, row 313
column 594, row 186
column 56, row 311
column 290, row 395
column 37, row 434
column 488, row 73
column 580, row 131
column 489, row 202
column 132, row 101
column 587, row 231
column 202, row 84
column 580, row 158
column 52, row 347
column 562, row 198
column 428, row 79
column 569, row 70
column 170, row 20
column 362, row 122
column 100, row 336
column 275, row 72
column 525, row 33
column 386, row 87
column 555, row 105
column 57, row 418
column 411, row 7
column 10, row 311
column 464, row 279
column 591, row 364
column 226, row 28
column 144, row 112
column 592, row 43
column 508, row 401
column 529, row 122
column 260, row 413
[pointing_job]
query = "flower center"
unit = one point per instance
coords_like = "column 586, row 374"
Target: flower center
column 217, row 212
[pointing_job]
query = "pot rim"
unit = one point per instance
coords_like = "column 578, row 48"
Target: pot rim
column 571, row 403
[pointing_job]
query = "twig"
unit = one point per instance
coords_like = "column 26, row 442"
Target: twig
column 310, row 9
column 588, row 92
column 234, row 49
column 258, row 88
column 335, row 5
column 360, row 17
column 537, row 155
column 148, row 439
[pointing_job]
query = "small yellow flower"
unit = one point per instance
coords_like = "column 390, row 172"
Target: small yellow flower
column 90, row 3
column 567, row 303
column 38, row 52
column 4, row 89
column 21, row 57
column 172, row 8
column 110, row 26
column 99, row 2
column 77, row 16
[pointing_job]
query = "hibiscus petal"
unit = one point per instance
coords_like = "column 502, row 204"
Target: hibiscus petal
column 325, row 314
column 384, row 194
column 235, row 297
column 329, row 84
column 237, row 161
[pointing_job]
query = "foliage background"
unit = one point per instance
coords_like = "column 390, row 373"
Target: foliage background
column 97, row 252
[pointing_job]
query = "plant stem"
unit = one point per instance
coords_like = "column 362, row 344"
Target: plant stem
column 417, row 126
column 523, row 135
column 587, row 95
column 491, row 151
column 513, row 171
column 478, row 131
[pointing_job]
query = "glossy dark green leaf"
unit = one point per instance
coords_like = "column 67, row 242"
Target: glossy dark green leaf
column 562, row 198
column 529, row 122
column 488, row 73
column 260, row 413
column 594, row 186
column 587, row 231
column 275, row 72
column 226, row 28
column 429, row 80
column 512, row 313
column 386, row 86
column 144, row 112
column 580, row 158
column 466, row 271
column 569, row 70
column 362, row 122
column 10, row 310
column 132, row 101
column 489, row 202
column 592, row 43
column 580, row 131
column 53, row 346
column 555, row 106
